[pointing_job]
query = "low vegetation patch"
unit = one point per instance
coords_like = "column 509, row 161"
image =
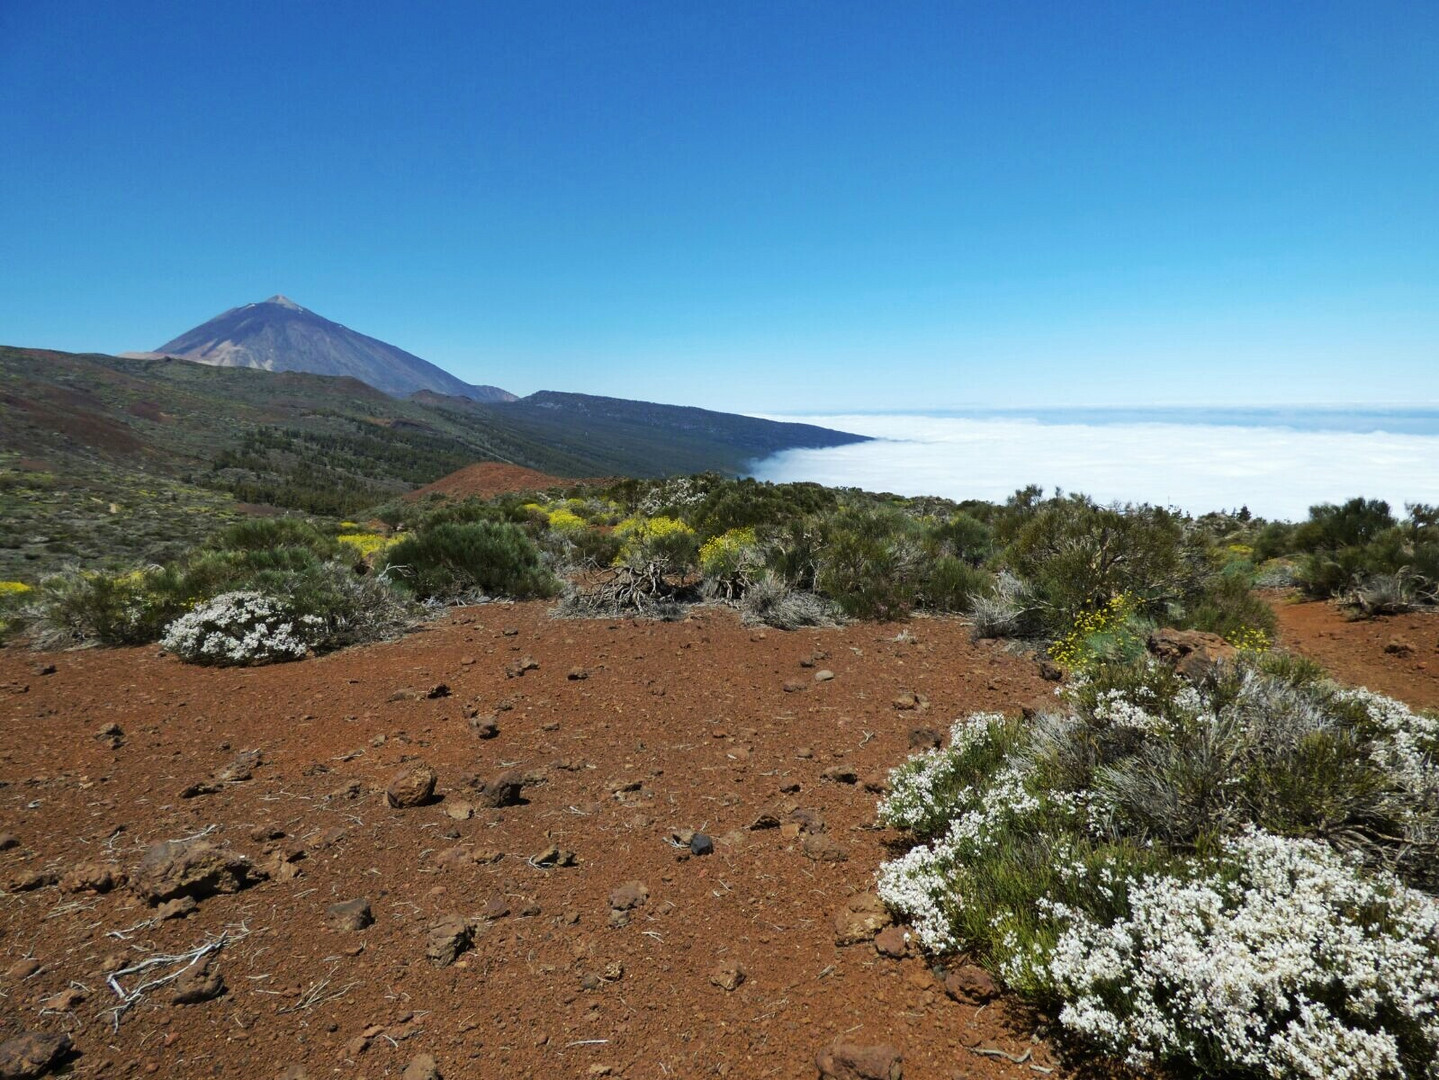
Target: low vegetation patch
column 1233, row 877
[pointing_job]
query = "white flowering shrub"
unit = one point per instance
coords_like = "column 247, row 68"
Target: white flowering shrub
column 240, row 628
column 1283, row 959
column 1231, row 878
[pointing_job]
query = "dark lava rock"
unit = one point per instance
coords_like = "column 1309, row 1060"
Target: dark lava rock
column 349, row 915
column 198, row 983
column 502, row 790
column 701, row 844
column 175, row 868
column 32, row 1054
column 447, row 939
column 414, row 786
column 844, row 1060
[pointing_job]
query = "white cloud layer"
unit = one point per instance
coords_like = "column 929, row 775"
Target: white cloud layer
column 1276, row 472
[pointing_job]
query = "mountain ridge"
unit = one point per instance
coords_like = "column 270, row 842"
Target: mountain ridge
column 279, row 334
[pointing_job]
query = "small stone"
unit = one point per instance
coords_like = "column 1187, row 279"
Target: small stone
column 177, row 908
column 171, row 869
column 628, row 896
column 32, row 1054
column 93, row 878
column 439, row 690
column 413, row 786
column 500, row 791
column 821, row 848
column 1400, row 648
column 840, row 774
column 240, row 769
column 64, row 1001
column 497, row 908
column 795, row 687
column 823, row 675
column 908, row 701
column 923, row 738
column 198, row 983
column 970, row 984
column 9, row 841
column 701, row 844
column 349, row 916
column 877, row 782
column 23, row 969
column 459, row 809
column 862, row 916
column 421, row 1067
column 893, row 942
column 447, row 939
column 729, row 975
column 804, row 753
column 577, row 674
column 515, row 668
column 844, row 1060
column 484, row 727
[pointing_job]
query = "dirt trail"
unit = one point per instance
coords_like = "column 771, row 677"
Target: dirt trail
column 1397, row 655
column 625, row 731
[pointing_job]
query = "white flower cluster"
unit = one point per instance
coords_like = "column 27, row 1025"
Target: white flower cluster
column 1115, row 708
column 680, row 492
column 1409, row 746
column 1286, row 961
column 238, row 628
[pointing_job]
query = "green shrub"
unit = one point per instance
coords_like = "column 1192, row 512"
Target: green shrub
column 452, row 560
column 949, row 583
column 266, row 534
column 1229, row 607
column 1076, row 556
column 870, row 561
column 88, row 607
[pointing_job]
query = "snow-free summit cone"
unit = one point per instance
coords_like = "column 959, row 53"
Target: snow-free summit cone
column 280, row 335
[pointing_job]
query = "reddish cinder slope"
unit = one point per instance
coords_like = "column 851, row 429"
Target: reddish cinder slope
column 487, row 479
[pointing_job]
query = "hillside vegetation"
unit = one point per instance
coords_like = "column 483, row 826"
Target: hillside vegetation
column 125, row 440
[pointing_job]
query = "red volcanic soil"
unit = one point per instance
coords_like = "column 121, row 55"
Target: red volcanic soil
column 1397, row 655
column 487, row 479
column 624, row 732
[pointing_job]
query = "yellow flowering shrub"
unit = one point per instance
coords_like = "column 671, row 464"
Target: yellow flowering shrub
column 563, row 519
column 722, row 554
column 1250, row 639
column 13, row 588
column 1098, row 634
column 661, row 539
column 367, row 544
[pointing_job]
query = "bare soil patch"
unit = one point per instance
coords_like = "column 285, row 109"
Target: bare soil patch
column 541, row 913
column 1397, row 655
column 486, row 479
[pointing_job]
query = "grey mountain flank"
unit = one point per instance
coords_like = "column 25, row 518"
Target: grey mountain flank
column 280, row 335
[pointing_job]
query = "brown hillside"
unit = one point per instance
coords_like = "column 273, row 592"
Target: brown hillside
column 486, row 479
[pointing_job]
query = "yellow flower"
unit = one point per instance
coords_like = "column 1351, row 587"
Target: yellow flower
column 13, row 588
column 367, row 543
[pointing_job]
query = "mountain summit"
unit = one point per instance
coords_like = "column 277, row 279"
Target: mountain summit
column 280, row 335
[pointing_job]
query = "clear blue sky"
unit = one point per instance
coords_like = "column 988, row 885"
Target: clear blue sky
column 755, row 206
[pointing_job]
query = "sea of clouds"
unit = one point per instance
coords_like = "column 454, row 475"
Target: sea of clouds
column 1277, row 472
